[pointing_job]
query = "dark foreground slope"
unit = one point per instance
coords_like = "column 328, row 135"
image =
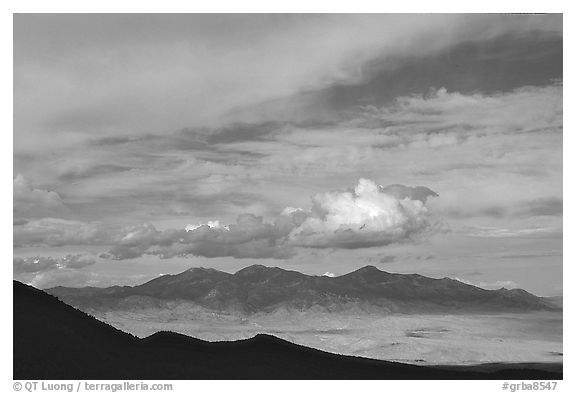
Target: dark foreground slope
column 55, row 341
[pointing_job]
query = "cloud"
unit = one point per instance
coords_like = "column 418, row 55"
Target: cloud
column 520, row 208
column 400, row 191
column 76, row 173
column 34, row 202
column 210, row 224
column 468, row 105
column 505, row 172
column 63, row 277
column 538, row 255
column 19, row 221
column 80, row 278
column 431, row 143
column 552, row 206
column 328, row 274
column 387, row 259
column 367, row 216
column 248, row 237
column 526, row 108
column 507, row 284
column 207, row 66
column 42, row 264
column 496, row 232
column 57, row 232
column 510, row 134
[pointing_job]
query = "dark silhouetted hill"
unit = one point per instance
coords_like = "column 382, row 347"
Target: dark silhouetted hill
column 52, row 340
column 259, row 288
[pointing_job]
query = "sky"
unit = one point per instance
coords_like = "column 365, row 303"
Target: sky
column 146, row 144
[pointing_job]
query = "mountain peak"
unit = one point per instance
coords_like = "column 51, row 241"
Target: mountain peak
column 368, row 269
column 200, row 271
column 366, row 272
column 255, row 269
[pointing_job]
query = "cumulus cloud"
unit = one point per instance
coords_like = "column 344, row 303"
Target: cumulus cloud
column 42, row 264
column 210, row 224
column 367, row 216
column 34, row 202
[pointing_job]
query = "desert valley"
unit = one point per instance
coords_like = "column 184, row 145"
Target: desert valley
column 368, row 313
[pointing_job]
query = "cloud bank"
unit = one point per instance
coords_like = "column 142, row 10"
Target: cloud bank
column 215, row 64
column 367, row 216
column 42, row 264
column 33, row 202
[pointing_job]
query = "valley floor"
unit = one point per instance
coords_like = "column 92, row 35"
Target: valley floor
column 418, row 339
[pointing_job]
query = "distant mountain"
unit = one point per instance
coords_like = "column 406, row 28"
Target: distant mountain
column 55, row 341
column 556, row 301
column 261, row 289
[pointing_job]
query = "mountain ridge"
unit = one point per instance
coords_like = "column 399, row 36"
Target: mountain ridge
column 259, row 288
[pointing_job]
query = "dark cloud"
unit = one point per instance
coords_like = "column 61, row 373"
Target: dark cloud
column 501, row 64
column 543, row 207
column 243, row 132
column 400, row 191
column 20, row 221
column 121, row 140
column 103, row 169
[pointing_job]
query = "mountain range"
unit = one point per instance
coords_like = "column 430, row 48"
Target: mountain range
column 261, row 289
column 53, row 340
